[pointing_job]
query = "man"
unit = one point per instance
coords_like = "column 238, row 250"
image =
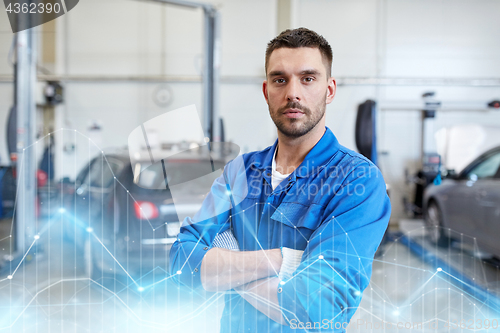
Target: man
column 294, row 252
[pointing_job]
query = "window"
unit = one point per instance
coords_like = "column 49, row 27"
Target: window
column 195, row 174
column 487, row 168
column 101, row 174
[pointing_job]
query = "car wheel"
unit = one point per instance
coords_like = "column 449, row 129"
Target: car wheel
column 434, row 222
column 74, row 233
column 90, row 269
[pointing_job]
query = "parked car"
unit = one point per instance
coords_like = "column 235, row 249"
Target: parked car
column 467, row 203
column 126, row 224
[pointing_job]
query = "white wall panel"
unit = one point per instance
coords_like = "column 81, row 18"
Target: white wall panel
column 443, row 38
column 246, row 28
column 349, row 27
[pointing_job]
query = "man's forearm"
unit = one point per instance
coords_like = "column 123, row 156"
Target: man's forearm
column 222, row 269
column 263, row 295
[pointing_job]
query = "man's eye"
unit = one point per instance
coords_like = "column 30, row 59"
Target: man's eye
column 279, row 80
column 308, row 79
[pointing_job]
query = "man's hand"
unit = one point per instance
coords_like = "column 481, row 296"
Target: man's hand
column 223, row 269
column 263, row 295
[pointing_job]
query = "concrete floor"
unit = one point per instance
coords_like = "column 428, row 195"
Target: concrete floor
column 50, row 293
column 405, row 290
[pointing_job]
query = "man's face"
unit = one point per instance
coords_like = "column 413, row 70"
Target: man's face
column 297, row 89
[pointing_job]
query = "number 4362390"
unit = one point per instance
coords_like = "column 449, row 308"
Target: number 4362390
column 33, row 8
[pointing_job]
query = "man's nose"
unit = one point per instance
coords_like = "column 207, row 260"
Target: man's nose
column 293, row 92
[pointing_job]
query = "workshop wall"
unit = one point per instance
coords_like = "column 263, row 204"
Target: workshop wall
column 407, row 39
column 148, row 39
column 388, row 38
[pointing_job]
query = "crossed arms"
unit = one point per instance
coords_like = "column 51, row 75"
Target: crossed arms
column 250, row 273
column 334, row 270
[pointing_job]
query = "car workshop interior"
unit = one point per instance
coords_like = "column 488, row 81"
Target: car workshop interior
column 93, row 95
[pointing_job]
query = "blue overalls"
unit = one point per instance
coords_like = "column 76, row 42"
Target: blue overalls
column 334, row 206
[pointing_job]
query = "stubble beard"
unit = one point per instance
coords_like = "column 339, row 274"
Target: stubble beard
column 297, row 127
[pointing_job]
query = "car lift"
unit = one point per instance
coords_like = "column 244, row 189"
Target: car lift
column 23, row 111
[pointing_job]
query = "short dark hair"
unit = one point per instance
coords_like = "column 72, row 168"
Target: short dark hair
column 301, row 37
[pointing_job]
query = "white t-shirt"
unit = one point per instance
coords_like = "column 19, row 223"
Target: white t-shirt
column 277, row 177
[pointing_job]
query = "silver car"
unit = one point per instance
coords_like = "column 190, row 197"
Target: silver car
column 468, row 204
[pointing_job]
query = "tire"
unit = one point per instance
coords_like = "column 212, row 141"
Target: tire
column 435, row 227
column 74, row 233
column 102, row 279
column 91, row 270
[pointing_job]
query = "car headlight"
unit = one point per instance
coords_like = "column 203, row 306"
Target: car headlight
column 173, row 228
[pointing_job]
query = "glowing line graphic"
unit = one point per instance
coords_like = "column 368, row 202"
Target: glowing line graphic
column 479, row 304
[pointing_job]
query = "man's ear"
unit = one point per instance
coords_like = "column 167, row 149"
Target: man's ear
column 331, row 90
column 264, row 90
